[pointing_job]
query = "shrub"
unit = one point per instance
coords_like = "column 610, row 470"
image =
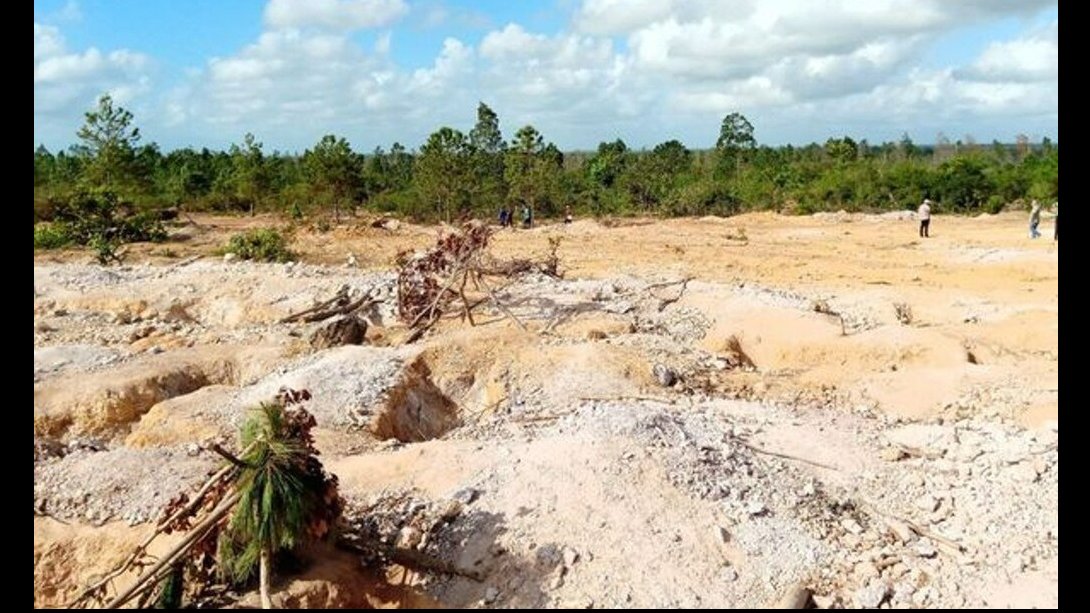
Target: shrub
column 51, row 236
column 264, row 245
column 100, row 214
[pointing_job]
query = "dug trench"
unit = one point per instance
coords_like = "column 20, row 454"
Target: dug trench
column 486, row 466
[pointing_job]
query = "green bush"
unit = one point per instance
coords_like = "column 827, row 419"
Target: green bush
column 264, row 245
column 99, row 214
column 51, row 236
column 995, row 205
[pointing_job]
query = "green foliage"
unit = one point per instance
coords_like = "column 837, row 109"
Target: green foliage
column 334, row 171
column 735, row 140
column 285, row 495
column 262, row 245
column 51, row 236
column 442, row 171
column 97, row 218
column 477, row 172
column 275, row 499
column 109, row 140
column 962, row 183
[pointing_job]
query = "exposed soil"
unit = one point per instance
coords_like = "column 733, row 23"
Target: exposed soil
column 830, row 401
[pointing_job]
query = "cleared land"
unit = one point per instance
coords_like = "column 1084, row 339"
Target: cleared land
column 857, row 409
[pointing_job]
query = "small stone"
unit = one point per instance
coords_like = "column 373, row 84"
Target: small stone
column 852, row 526
column 229, row 257
column 901, row 531
column 467, row 495
column 903, row 591
column 871, row 597
column 729, row 574
column 491, row 594
column 723, row 534
column 864, row 571
column 1040, row 465
column 452, row 509
column 409, row 537
column 60, row 312
column 927, row 503
column 892, row 454
column 192, row 449
column 756, row 508
column 925, row 551
column 1024, row 472
column 664, row 375
column 558, row 581
column 570, row 557
column 823, row 602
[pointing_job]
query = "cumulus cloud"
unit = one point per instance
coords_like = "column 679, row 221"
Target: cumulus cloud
column 1026, row 59
column 642, row 70
column 66, row 83
column 334, row 14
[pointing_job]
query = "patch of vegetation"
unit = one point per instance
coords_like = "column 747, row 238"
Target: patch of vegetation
column 454, row 173
column 97, row 218
column 51, row 236
column 263, row 245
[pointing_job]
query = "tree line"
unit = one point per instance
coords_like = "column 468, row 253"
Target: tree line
column 455, row 173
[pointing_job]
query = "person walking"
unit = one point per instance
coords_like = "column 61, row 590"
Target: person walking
column 1034, row 219
column 924, row 215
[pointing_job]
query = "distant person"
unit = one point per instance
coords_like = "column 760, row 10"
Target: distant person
column 1056, row 221
column 527, row 217
column 567, row 215
column 1034, row 219
column 505, row 217
column 924, row 214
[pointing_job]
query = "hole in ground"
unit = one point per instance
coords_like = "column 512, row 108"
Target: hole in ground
column 416, row 409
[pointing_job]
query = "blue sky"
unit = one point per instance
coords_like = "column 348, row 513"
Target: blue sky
column 205, row 72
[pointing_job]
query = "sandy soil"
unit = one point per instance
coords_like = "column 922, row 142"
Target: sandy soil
column 886, row 370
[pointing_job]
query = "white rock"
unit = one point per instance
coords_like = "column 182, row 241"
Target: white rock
column 870, row 597
column 927, row 503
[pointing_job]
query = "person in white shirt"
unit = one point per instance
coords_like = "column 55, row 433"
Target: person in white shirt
column 924, row 215
column 1034, row 219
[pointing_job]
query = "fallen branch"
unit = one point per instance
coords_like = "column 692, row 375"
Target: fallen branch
column 347, row 309
column 161, row 527
column 633, row 397
column 788, row 457
column 920, row 530
column 192, row 538
column 342, row 295
column 501, row 307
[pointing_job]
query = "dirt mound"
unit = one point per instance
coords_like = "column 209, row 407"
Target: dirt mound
column 89, row 404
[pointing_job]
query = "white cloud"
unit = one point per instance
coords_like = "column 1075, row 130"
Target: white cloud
column 1030, row 58
column 645, row 71
column 338, row 15
column 66, row 83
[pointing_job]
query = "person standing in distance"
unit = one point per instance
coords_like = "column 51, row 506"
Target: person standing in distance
column 924, row 215
column 1034, row 219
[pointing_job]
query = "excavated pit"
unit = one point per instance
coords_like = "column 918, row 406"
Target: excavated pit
column 416, row 409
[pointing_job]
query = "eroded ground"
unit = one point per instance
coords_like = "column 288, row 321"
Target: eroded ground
column 851, row 407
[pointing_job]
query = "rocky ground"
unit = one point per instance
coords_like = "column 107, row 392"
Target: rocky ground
column 801, row 411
